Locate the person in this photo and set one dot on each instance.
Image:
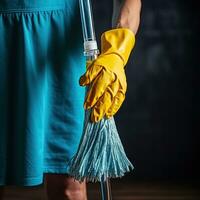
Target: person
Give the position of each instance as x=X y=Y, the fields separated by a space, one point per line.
x=41 y=104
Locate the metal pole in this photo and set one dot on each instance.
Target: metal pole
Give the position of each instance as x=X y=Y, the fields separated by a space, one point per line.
x=106 y=190
x=91 y=52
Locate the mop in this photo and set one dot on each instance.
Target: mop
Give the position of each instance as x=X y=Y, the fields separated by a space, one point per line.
x=100 y=154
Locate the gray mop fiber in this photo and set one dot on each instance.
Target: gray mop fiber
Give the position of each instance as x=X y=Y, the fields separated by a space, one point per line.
x=100 y=154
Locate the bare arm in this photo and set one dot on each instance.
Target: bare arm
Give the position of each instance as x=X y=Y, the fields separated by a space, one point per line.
x=129 y=16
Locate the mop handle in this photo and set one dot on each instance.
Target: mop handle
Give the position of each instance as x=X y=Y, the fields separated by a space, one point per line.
x=106 y=190
x=91 y=52
x=90 y=43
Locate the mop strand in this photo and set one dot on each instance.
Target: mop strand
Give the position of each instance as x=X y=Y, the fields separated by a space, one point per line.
x=100 y=154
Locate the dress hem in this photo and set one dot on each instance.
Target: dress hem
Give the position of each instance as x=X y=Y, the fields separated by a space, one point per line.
x=35 y=180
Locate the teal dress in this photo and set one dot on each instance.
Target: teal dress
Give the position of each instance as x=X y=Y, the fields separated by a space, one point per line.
x=41 y=101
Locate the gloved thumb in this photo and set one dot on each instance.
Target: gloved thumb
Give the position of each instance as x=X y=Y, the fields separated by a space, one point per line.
x=90 y=74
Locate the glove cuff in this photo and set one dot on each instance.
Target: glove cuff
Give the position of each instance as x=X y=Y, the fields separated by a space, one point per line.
x=119 y=41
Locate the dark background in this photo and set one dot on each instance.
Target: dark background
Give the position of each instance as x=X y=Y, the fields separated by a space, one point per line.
x=159 y=121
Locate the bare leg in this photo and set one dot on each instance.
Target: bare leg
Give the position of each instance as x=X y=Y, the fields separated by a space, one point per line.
x=63 y=187
x=1 y=192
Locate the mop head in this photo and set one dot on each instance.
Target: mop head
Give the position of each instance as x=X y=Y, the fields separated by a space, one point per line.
x=100 y=154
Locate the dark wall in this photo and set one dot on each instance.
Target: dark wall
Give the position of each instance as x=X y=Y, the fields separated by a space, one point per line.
x=159 y=120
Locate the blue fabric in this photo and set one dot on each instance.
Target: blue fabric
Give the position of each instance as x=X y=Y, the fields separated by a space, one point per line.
x=41 y=102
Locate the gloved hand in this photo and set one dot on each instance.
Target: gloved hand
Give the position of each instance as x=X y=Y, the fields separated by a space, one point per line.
x=106 y=74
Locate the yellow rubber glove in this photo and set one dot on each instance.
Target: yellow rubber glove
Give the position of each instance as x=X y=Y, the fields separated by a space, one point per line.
x=106 y=74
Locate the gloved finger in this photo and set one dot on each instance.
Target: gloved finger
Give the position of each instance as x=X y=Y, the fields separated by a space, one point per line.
x=90 y=74
x=104 y=102
x=98 y=87
x=116 y=104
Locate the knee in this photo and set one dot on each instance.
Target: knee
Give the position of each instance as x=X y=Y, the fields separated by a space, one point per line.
x=64 y=187
x=75 y=194
x=74 y=190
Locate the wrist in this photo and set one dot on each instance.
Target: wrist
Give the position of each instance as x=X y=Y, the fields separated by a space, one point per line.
x=129 y=16
x=125 y=24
